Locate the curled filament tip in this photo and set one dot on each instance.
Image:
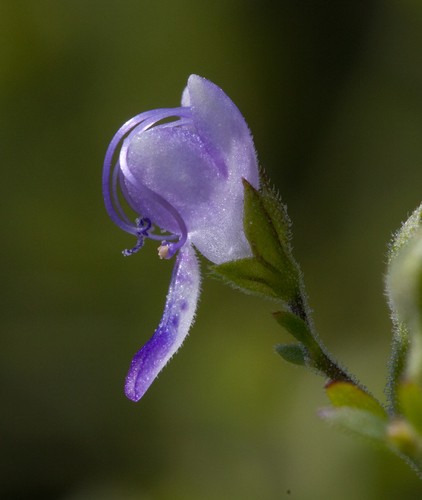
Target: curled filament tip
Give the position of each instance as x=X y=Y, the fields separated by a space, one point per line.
x=143 y=226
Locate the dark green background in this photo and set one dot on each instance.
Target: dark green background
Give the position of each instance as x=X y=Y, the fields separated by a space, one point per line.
x=332 y=91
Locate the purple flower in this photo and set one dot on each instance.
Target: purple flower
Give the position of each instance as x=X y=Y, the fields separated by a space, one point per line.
x=181 y=169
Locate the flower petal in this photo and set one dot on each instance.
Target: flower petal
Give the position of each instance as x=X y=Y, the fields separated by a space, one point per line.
x=178 y=316
x=173 y=163
x=226 y=137
x=220 y=124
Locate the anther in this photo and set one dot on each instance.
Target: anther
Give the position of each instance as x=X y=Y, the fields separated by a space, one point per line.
x=163 y=250
x=166 y=250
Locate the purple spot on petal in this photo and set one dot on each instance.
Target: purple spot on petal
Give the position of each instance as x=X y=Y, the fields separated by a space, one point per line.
x=174 y=321
x=183 y=305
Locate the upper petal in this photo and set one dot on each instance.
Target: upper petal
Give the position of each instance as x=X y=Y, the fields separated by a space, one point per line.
x=221 y=126
x=178 y=316
x=226 y=137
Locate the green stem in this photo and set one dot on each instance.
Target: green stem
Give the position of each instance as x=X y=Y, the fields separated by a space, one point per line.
x=320 y=358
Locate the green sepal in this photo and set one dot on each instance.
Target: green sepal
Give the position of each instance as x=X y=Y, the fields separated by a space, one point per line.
x=272 y=271
x=277 y=211
x=361 y=422
x=267 y=230
x=293 y=353
x=346 y=394
x=410 y=403
x=265 y=207
x=254 y=276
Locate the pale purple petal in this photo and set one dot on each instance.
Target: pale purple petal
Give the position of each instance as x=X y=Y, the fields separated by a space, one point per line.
x=222 y=128
x=226 y=136
x=174 y=163
x=178 y=317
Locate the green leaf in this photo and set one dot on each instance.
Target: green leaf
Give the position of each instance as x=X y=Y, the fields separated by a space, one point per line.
x=296 y=327
x=346 y=394
x=361 y=422
x=272 y=271
x=293 y=353
x=257 y=277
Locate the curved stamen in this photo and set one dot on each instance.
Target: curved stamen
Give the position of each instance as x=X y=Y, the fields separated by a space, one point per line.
x=124 y=167
x=173 y=247
x=114 y=193
x=110 y=195
x=148 y=119
x=126 y=195
x=138 y=129
x=143 y=225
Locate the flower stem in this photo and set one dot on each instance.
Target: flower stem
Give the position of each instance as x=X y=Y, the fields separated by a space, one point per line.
x=320 y=358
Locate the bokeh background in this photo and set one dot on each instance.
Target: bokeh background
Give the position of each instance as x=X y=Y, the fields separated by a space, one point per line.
x=332 y=91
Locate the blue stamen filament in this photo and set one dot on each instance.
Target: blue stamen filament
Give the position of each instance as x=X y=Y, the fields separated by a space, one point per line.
x=165 y=251
x=137 y=125
x=143 y=226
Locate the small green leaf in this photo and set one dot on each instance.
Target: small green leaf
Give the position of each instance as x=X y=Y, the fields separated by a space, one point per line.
x=346 y=394
x=361 y=422
x=296 y=327
x=293 y=353
x=318 y=357
x=257 y=277
x=410 y=403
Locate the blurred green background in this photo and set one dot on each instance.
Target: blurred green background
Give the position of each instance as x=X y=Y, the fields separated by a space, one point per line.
x=332 y=91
